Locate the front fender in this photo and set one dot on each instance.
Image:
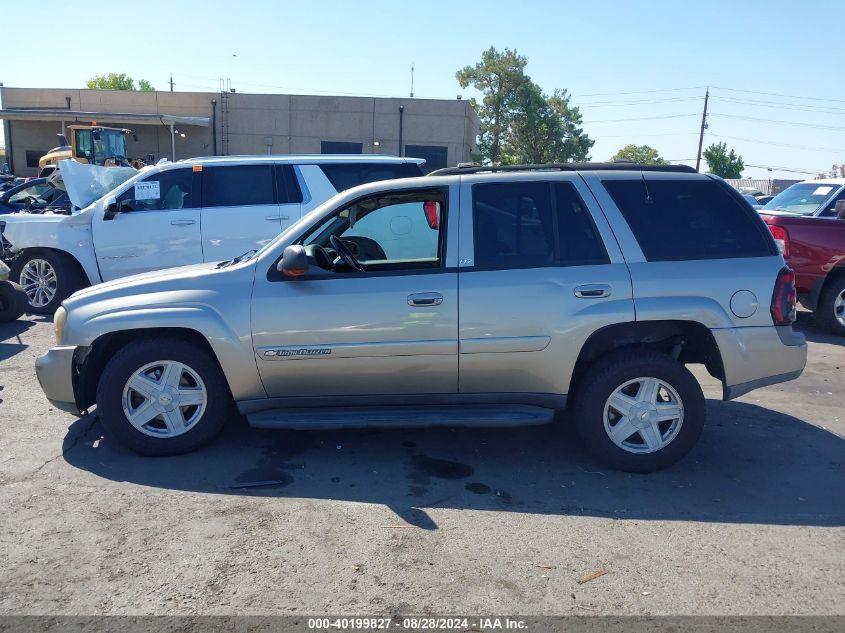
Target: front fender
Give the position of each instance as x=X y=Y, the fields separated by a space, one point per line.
x=233 y=350
x=68 y=234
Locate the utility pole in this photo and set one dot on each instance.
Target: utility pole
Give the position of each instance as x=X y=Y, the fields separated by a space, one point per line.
x=703 y=125
x=412 y=80
x=171 y=82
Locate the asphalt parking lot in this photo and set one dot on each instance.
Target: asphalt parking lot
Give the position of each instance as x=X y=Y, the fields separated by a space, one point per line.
x=498 y=521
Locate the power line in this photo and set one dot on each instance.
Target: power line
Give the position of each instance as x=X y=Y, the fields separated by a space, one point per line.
x=636 y=134
x=644 y=118
x=789 y=169
x=784 y=106
x=777 y=94
x=596 y=104
x=639 y=92
x=761 y=120
x=786 y=145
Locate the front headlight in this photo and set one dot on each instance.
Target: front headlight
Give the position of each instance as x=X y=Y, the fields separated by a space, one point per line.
x=59 y=323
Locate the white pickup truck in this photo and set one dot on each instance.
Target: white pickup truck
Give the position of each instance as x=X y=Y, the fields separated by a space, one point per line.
x=173 y=214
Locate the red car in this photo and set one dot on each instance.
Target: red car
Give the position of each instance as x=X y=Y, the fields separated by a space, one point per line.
x=814 y=247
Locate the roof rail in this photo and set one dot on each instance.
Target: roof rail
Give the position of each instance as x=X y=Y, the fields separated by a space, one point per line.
x=474 y=168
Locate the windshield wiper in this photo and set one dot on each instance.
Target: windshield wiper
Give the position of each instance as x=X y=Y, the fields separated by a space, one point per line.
x=240 y=258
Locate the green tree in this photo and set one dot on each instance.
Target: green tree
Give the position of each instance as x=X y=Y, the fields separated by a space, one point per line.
x=544 y=129
x=639 y=154
x=117 y=81
x=723 y=163
x=499 y=76
x=519 y=122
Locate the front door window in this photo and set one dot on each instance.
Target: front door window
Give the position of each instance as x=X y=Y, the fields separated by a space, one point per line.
x=399 y=231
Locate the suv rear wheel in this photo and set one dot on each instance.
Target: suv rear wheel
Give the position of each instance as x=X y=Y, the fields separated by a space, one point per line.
x=163 y=397
x=639 y=410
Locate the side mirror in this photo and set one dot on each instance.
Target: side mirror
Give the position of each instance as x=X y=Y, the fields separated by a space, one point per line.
x=111 y=208
x=294 y=262
x=839 y=209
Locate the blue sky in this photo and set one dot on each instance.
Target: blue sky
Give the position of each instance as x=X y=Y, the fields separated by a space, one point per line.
x=646 y=63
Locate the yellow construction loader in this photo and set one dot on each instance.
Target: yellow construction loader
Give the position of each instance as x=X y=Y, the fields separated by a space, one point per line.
x=92 y=144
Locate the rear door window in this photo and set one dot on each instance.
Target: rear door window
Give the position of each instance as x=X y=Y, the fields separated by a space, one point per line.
x=287 y=185
x=344 y=176
x=237 y=185
x=533 y=224
x=679 y=220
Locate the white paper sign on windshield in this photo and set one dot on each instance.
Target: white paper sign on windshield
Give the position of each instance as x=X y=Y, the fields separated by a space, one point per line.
x=147 y=190
x=822 y=191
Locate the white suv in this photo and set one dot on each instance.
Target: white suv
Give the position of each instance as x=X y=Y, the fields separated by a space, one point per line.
x=173 y=214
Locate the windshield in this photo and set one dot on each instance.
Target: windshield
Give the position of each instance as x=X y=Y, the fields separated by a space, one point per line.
x=805 y=198
x=112 y=144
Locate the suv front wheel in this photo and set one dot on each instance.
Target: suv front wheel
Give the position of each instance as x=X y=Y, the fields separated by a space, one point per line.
x=639 y=410
x=163 y=397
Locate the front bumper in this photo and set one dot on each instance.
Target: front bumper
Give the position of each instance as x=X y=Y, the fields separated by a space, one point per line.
x=55 y=375
x=754 y=357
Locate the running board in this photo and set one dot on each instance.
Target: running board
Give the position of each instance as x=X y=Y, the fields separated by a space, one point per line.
x=401 y=417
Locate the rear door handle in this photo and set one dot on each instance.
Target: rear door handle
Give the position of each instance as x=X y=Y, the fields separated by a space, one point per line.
x=272 y=218
x=182 y=222
x=424 y=299
x=592 y=291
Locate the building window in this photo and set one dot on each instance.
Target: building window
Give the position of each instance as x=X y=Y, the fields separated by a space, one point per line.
x=341 y=147
x=435 y=155
x=33 y=156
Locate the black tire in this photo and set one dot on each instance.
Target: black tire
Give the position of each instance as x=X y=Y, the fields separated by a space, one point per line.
x=69 y=278
x=826 y=312
x=136 y=355
x=611 y=372
x=13 y=303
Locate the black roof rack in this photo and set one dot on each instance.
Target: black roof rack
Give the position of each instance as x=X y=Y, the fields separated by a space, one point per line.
x=473 y=168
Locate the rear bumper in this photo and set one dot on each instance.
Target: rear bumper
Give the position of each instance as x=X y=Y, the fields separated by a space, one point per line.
x=754 y=357
x=55 y=375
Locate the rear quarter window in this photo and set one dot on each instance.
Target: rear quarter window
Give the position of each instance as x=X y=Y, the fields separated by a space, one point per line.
x=344 y=176
x=678 y=220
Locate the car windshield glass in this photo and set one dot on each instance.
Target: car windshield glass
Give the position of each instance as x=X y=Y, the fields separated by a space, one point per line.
x=111 y=144
x=804 y=198
x=39 y=193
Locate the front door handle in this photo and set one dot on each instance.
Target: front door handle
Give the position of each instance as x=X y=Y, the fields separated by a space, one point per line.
x=182 y=222
x=592 y=291
x=425 y=299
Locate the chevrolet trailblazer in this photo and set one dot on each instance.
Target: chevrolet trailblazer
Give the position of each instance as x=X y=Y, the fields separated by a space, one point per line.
x=474 y=296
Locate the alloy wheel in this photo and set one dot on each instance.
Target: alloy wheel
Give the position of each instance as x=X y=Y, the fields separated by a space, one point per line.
x=643 y=415
x=164 y=399
x=39 y=281
x=839 y=308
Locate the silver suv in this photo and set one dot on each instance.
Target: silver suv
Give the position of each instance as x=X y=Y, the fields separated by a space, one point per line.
x=474 y=296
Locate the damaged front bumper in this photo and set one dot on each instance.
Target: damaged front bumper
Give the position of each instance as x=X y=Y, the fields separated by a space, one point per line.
x=55 y=370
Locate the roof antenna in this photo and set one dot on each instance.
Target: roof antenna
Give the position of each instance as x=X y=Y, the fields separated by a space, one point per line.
x=648 y=198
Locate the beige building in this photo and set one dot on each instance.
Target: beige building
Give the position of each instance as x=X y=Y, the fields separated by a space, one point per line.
x=201 y=123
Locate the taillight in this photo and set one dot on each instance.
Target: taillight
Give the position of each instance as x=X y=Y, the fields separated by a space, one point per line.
x=432 y=213
x=784 y=298
x=781 y=236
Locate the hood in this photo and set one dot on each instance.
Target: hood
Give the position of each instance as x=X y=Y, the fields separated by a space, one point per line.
x=166 y=279
x=86 y=183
